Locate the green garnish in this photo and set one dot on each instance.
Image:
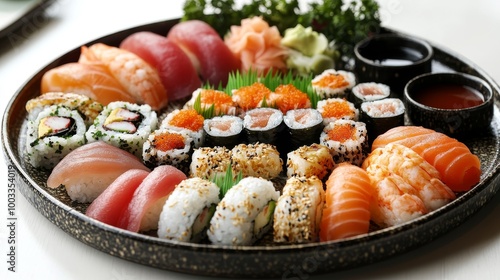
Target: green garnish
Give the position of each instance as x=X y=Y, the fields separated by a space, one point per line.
x=227 y=181
x=207 y=113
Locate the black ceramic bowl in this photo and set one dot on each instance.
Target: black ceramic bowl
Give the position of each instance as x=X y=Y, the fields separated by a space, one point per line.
x=392 y=59
x=453 y=103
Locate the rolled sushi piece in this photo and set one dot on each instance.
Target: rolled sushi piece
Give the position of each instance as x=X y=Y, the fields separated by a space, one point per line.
x=364 y=92
x=188 y=121
x=297 y=215
x=304 y=127
x=333 y=84
x=310 y=160
x=223 y=131
x=257 y=160
x=188 y=221
x=168 y=147
x=87 y=107
x=54 y=133
x=245 y=213
x=204 y=99
x=208 y=162
x=124 y=125
x=347 y=141
x=382 y=115
x=333 y=109
x=264 y=125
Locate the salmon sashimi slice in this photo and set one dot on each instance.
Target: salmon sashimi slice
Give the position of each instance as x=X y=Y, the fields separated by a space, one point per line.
x=347 y=207
x=114 y=200
x=177 y=73
x=460 y=169
x=206 y=49
x=143 y=212
x=92 y=81
x=88 y=170
x=132 y=72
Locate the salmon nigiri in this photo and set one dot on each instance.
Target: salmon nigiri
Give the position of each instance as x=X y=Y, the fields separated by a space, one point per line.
x=347 y=207
x=92 y=81
x=109 y=206
x=143 y=212
x=132 y=72
x=460 y=170
x=88 y=170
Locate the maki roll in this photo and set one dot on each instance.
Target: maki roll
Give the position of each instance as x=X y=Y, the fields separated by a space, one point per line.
x=333 y=84
x=208 y=162
x=297 y=215
x=245 y=213
x=333 y=109
x=258 y=160
x=308 y=161
x=188 y=221
x=368 y=92
x=382 y=115
x=223 y=131
x=54 y=133
x=124 y=125
x=217 y=102
x=304 y=127
x=263 y=125
x=347 y=141
x=171 y=147
x=188 y=121
x=88 y=108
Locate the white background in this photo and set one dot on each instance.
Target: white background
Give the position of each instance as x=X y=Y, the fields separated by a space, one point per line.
x=469 y=28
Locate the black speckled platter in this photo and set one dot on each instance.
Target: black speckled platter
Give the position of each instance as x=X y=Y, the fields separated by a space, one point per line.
x=258 y=261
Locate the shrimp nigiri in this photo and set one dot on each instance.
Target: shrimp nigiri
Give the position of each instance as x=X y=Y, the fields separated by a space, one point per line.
x=134 y=74
x=459 y=168
x=347 y=208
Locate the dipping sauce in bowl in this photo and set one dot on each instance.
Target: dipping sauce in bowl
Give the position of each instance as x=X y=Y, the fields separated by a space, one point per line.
x=453 y=103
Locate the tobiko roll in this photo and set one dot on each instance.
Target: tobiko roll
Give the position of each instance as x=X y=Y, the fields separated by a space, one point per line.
x=333 y=109
x=304 y=126
x=187 y=121
x=333 y=84
x=171 y=147
x=54 y=133
x=245 y=213
x=124 y=125
x=347 y=141
x=188 y=221
x=263 y=125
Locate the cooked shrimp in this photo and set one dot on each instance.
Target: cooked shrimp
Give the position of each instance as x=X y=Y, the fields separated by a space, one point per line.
x=404 y=162
x=136 y=76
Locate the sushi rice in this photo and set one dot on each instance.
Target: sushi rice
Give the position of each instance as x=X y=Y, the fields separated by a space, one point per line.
x=171 y=147
x=258 y=160
x=347 y=141
x=45 y=151
x=128 y=141
x=333 y=84
x=310 y=160
x=235 y=218
x=208 y=162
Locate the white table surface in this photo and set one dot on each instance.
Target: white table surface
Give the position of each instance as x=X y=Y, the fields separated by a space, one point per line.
x=469 y=28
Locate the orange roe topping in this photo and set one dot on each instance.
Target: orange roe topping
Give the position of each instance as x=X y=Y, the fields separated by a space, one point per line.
x=291 y=98
x=189 y=119
x=210 y=96
x=250 y=97
x=342 y=132
x=337 y=109
x=168 y=141
x=332 y=81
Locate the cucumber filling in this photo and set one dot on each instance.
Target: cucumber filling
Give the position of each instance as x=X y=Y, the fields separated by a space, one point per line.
x=202 y=222
x=264 y=219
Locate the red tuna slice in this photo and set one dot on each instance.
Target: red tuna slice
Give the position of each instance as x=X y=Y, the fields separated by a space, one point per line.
x=208 y=52
x=177 y=73
x=110 y=205
x=144 y=210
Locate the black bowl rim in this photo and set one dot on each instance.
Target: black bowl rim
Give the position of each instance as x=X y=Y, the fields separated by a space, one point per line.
x=487 y=103
x=400 y=36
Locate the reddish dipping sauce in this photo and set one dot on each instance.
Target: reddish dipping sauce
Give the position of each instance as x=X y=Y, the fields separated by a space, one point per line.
x=448 y=96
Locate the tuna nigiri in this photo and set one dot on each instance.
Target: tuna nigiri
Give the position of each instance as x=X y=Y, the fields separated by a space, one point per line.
x=88 y=170
x=91 y=80
x=177 y=73
x=114 y=200
x=208 y=52
x=347 y=207
x=132 y=72
x=459 y=168
x=143 y=212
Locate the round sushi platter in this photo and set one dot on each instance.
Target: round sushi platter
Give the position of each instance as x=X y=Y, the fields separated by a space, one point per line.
x=245 y=261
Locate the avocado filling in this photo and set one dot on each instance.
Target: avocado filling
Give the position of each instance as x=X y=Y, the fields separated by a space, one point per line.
x=264 y=219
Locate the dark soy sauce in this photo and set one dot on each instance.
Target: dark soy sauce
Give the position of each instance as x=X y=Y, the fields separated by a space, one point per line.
x=449 y=96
